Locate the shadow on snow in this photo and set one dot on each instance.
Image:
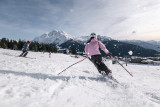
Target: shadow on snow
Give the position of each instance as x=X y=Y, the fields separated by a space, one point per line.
x=52 y=77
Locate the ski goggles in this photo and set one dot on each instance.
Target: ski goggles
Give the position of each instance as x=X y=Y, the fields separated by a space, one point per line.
x=93 y=35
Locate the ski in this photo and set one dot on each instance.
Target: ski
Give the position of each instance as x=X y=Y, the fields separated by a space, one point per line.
x=26 y=57
x=112 y=82
x=113 y=79
x=29 y=57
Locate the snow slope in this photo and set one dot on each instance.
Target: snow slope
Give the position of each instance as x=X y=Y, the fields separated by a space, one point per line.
x=28 y=82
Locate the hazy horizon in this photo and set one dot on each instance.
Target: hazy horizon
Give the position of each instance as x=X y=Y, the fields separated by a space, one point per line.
x=73 y=37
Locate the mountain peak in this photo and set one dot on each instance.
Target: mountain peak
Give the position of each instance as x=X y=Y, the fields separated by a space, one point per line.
x=55 y=36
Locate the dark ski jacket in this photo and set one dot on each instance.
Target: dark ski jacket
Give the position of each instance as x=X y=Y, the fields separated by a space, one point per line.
x=25 y=47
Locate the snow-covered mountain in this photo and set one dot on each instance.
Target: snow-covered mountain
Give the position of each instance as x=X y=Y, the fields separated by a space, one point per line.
x=57 y=37
x=86 y=38
x=60 y=37
x=154 y=45
x=154 y=42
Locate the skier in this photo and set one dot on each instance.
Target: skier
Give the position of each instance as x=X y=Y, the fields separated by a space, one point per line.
x=25 y=49
x=49 y=54
x=93 y=53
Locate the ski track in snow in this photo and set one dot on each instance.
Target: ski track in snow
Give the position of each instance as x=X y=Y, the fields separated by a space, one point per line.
x=28 y=82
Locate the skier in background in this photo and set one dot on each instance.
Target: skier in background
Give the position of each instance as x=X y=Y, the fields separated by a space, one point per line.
x=25 y=49
x=49 y=54
x=93 y=53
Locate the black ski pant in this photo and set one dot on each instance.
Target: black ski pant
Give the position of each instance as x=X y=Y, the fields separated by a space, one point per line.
x=23 y=54
x=97 y=61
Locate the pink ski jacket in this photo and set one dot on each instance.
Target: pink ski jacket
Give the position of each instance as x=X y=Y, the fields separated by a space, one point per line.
x=92 y=48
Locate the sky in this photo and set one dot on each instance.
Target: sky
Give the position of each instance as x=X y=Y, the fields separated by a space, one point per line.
x=118 y=19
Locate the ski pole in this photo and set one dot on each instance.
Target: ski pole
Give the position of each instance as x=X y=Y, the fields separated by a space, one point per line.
x=120 y=64
x=72 y=65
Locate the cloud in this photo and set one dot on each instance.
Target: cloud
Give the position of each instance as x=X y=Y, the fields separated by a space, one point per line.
x=114 y=18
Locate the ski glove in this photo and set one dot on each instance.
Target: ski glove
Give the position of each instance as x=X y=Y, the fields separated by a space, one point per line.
x=110 y=54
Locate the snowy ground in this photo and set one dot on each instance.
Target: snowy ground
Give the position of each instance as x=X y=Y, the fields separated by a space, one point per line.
x=28 y=82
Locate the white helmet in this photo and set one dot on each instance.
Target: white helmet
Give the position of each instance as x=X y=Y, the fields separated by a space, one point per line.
x=93 y=35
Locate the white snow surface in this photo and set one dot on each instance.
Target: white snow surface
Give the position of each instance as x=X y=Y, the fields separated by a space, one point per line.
x=26 y=82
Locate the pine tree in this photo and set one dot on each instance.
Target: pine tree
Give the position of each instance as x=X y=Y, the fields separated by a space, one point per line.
x=10 y=44
x=73 y=51
x=44 y=48
x=35 y=48
x=0 y=44
x=4 y=43
x=54 y=49
x=20 y=44
x=15 y=47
